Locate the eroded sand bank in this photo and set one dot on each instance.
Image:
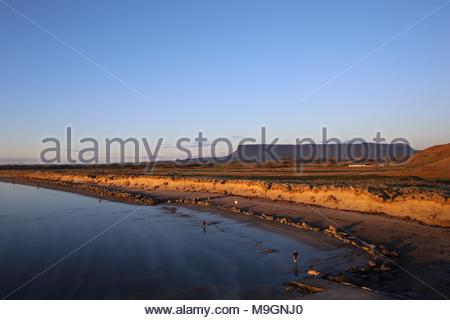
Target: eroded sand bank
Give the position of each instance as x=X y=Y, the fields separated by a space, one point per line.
x=426 y=206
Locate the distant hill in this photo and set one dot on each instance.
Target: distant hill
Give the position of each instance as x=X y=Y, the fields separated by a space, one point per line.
x=327 y=153
x=431 y=163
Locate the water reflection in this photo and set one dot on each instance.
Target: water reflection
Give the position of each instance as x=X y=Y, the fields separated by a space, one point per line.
x=155 y=253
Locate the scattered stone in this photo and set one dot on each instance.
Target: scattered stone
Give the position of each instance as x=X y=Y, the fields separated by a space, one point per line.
x=368 y=289
x=303 y=287
x=339 y=278
x=359 y=270
x=384 y=267
x=313 y=273
x=283 y=221
x=372 y=263
x=269 y=250
x=266 y=217
x=394 y=254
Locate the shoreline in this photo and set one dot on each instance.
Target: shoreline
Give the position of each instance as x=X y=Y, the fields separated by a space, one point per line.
x=331 y=283
x=382 y=258
x=430 y=206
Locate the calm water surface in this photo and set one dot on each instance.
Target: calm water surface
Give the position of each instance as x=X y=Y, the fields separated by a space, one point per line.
x=58 y=245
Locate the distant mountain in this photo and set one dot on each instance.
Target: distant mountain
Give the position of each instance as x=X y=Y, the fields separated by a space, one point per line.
x=344 y=152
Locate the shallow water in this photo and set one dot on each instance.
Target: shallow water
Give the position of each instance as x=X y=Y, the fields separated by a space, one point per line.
x=58 y=245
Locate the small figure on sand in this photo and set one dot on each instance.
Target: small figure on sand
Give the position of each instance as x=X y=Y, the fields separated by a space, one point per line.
x=205 y=224
x=295 y=257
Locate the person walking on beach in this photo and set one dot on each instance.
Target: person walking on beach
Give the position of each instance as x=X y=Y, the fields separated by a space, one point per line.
x=295 y=257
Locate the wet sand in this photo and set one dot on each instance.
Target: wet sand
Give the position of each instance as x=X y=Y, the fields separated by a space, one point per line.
x=160 y=252
x=421 y=271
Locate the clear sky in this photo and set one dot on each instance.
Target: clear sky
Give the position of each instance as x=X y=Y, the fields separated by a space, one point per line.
x=225 y=68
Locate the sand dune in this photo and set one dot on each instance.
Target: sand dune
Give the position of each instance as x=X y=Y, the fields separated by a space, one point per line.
x=431 y=163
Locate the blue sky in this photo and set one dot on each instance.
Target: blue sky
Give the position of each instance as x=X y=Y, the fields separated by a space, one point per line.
x=225 y=68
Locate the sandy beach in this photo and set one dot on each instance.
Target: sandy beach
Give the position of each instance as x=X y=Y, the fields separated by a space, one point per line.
x=387 y=257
